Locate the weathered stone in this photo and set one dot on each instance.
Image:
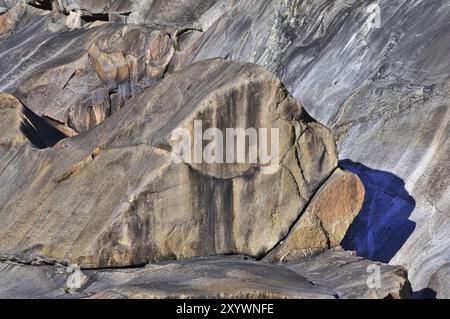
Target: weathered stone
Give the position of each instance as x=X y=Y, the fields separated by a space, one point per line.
x=95 y=6
x=60 y=74
x=384 y=93
x=440 y=283
x=214 y=277
x=114 y=196
x=175 y=13
x=32 y=282
x=354 y=277
x=326 y=220
x=207 y=278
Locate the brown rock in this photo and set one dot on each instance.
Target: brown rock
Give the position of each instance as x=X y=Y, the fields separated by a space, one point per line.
x=326 y=219
x=114 y=197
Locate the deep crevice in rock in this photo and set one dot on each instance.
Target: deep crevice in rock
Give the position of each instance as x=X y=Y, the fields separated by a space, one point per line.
x=41 y=4
x=95 y=17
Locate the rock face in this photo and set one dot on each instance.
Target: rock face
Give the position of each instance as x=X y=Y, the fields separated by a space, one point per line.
x=115 y=197
x=326 y=220
x=94 y=91
x=353 y=277
x=79 y=77
x=439 y=283
x=215 y=277
x=384 y=93
x=207 y=278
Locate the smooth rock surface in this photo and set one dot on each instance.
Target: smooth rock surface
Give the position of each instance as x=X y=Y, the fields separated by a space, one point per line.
x=353 y=277
x=207 y=278
x=384 y=92
x=326 y=219
x=215 y=277
x=440 y=283
x=31 y=282
x=114 y=196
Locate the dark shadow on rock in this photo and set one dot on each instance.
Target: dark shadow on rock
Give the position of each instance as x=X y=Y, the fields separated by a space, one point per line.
x=383 y=225
x=38 y=131
x=426 y=293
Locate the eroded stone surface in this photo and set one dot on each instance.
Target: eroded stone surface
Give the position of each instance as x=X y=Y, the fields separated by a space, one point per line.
x=440 y=283
x=383 y=92
x=354 y=277
x=114 y=196
x=215 y=277
x=325 y=221
x=78 y=77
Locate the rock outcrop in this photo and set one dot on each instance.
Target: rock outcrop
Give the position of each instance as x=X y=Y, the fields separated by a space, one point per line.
x=94 y=92
x=215 y=277
x=382 y=89
x=325 y=221
x=114 y=196
x=352 y=277
x=79 y=77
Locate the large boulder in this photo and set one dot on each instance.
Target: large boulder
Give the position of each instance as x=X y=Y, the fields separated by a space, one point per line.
x=383 y=92
x=114 y=196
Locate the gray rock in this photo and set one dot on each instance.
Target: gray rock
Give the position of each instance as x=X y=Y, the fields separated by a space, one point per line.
x=174 y=13
x=69 y=76
x=206 y=278
x=30 y=282
x=353 y=277
x=114 y=196
x=214 y=277
x=95 y=6
x=383 y=92
x=440 y=283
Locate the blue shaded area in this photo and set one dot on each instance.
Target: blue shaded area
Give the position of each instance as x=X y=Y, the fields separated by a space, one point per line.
x=383 y=226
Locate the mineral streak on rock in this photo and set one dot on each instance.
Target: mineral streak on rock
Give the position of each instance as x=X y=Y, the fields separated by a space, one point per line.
x=383 y=92
x=113 y=196
x=93 y=91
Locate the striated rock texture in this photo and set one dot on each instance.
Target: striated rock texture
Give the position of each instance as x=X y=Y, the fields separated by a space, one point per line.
x=383 y=92
x=439 y=285
x=78 y=77
x=123 y=74
x=215 y=277
x=114 y=196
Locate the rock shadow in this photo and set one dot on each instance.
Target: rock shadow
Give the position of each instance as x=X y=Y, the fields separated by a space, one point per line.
x=38 y=131
x=383 y=225
x=426 y=293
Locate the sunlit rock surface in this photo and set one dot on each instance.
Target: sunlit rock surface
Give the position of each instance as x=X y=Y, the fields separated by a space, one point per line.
x=384 y=92
x=115 y=197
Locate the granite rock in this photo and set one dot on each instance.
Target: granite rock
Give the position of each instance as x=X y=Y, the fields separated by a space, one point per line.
x=114 y=196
